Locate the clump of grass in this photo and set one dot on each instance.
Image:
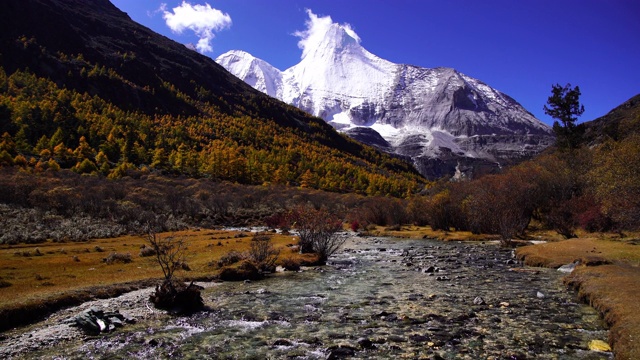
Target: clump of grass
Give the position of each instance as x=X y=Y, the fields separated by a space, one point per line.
x=230 y=258
x=146 y=251
x=396 y=227
x=117 y=258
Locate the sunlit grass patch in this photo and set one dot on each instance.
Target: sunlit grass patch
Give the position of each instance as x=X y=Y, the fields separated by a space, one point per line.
x=556 y=254
x=64 y=267
x=426 y=232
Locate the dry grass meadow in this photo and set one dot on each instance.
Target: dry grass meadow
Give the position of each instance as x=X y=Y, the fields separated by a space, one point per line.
x=33 y=275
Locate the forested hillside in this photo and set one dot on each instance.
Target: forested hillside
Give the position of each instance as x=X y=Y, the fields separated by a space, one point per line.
x=85 y=88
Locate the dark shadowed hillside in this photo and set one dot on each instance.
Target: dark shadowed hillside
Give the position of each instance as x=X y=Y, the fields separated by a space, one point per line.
x=618 y=124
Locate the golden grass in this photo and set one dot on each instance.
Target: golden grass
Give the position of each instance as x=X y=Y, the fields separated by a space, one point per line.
x=556 y=254
x=424 y=232
x=613 y=288
x=65 y=267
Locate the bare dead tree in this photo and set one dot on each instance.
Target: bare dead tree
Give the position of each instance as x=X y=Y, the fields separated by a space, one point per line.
x=170 y=253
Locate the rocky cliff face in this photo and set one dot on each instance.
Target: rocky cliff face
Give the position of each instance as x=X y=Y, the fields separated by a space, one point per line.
x=431 y=115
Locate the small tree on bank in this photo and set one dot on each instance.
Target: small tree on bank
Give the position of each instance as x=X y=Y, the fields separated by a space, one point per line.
x=170 y=253
x=318 y=231
x=173 y=295
x=262 y=252
x=564 y=105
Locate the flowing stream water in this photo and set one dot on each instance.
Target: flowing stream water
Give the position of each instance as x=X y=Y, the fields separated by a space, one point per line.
x=379 y=298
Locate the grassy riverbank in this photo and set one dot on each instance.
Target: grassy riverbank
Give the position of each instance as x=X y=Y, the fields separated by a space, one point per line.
x=608 y=279
x=40 y=278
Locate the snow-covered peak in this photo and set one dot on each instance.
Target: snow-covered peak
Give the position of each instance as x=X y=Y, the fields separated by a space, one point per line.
x=418 y=111
x=336 y=41
x=323 y=37
x=256 y=72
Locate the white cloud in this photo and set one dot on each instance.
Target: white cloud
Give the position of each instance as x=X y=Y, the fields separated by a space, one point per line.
x=317 y=27
x=203 y=20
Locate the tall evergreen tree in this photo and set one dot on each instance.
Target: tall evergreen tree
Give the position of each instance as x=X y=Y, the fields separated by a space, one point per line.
x=564 y=105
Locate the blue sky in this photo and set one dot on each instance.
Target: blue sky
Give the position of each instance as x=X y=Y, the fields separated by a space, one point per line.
x=520 y=47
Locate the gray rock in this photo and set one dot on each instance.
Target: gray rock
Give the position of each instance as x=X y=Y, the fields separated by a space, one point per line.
x=568 y=268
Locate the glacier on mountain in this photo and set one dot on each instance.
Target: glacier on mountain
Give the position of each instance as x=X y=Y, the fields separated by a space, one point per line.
x=442 y=119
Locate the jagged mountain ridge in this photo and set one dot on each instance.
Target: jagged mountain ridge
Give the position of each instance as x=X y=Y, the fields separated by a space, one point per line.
x=423 y=113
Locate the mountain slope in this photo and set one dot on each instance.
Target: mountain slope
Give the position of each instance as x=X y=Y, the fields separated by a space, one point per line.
x=81 y=81
x=423 y=113
x=617 y=124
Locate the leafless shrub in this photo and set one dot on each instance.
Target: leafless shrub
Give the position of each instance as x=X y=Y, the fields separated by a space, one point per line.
x=170 y=252
x=318 y=230
x=262 y=253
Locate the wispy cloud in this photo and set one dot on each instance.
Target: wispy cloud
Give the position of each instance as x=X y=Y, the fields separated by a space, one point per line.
x=317 y=28
x=203 y=20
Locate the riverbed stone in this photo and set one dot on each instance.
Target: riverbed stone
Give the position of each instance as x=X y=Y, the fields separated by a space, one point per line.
x=341 y=351
x=366 y=343
x=282 y=342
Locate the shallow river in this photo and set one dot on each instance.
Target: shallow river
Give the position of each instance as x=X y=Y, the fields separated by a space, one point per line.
x=379 y=298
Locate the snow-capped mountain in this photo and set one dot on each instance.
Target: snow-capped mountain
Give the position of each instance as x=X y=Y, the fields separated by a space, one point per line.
x=441 y=118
